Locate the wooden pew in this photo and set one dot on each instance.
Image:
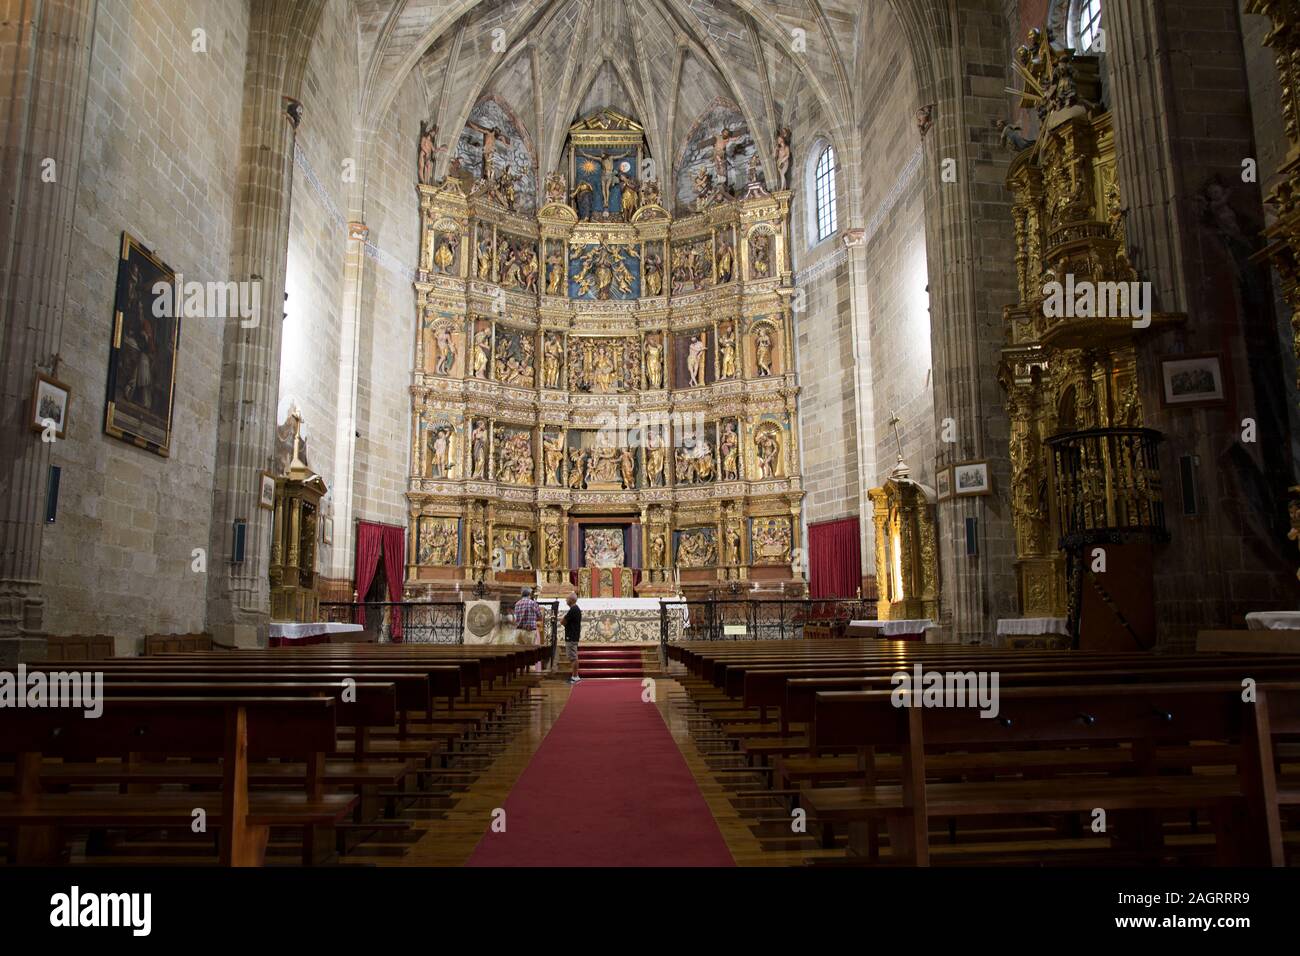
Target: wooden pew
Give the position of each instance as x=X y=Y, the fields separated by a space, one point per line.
x=233 y=728
x=1145 y=716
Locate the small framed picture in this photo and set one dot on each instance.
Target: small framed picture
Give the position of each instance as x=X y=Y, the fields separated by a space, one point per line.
x=943 y=484
x=49 y=405
x=327 y=531
x=266 y=497
x=970 y=478
x=1192 y=379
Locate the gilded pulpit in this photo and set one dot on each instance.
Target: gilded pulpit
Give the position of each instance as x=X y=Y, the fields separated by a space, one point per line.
x=907 y=566
x=294 y=535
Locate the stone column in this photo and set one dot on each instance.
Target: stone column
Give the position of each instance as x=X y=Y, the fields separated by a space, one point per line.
x=280 y=34
x=45 y=60
x=959 y=51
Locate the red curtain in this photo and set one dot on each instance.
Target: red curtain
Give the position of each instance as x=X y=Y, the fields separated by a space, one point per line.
x=834 y=559
x=395 y=570
x=373 y=542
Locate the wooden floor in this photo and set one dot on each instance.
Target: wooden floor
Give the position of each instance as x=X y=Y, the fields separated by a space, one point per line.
x=446 y=830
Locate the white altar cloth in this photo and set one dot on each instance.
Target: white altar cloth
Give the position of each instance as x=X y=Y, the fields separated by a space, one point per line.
x=1273 y=621
x=634 y=604
x=893 y=628
x=629 y=619
x=1032 y=626
x=295 y=630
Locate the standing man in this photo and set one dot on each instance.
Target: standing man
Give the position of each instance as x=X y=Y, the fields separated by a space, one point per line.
x=528 y=619
x=572 y=632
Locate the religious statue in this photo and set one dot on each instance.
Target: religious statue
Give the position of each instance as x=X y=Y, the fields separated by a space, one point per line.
x=445 y=257
x=697 y=548
x=650 y=192
x=604 y=465
x=555 y=273
x=654 y=461
x=627 y=466
x=445 y=346
x=772 y=540
x=478 y=547
x=783 y=157
x=658 y=546
x=602 y=268
x=768 y=449
x=696 y=357
x=684 y=473
x=478 y=450
x=490 y=138
x=482 y=352
x=729 y=445
x=733 y=544
x=631 y=197
x=760 y=263
x=577 y=468
x=556 y=188
x=442 y=454
x=608 y=176
x=437 y=541
x=763 y=351
x=1010 y=138
x=653 y=269
x=503 y=189
x=516 y=463
x=727 y=351
x=484 y=258
x=704 y=463
x=553 y=458
x=924 y=117
x=514 y=357
x=528 y=268
x=703 y=187
x=654 y=361
x=553 y=541
x=721 y=140
x=726 y=259
x=582 y=195
x=428 y=150
x=552 y=357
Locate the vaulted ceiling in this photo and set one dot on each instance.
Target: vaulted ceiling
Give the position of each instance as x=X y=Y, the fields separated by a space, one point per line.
x=662 y=61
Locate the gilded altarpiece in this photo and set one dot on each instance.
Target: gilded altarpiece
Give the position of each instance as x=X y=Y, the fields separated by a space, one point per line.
x=1069 y=369
x=601 y=362
x=1283 y=234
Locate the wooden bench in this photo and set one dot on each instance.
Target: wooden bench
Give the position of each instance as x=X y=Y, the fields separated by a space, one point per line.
x=1143 y=716
x=229 y=728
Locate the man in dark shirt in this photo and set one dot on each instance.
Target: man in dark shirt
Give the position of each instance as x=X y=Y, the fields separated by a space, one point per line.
x=572 y=632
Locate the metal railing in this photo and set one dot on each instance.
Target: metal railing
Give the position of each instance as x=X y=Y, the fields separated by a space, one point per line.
x=739 y=619
x=411 y=622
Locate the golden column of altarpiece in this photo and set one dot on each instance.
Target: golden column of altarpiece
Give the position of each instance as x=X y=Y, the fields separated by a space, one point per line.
x=601 y=364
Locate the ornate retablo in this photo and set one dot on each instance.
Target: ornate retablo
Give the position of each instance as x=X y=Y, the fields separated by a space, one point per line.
x=586 y=351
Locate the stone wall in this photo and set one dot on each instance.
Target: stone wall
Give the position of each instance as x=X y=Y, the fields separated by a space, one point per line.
x=387 y=339
x=318 y=237
x=157 y=161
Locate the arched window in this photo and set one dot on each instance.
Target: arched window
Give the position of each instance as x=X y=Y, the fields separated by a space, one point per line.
x=824 y=193
x=1085 y=24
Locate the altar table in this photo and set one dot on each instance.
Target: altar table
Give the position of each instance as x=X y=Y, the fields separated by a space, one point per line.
x=628 y=620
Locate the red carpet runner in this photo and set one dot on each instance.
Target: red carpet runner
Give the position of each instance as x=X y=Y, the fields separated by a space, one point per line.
x=608 y=787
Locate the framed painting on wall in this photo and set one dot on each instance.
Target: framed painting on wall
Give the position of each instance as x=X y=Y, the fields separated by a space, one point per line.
x=142 y=354
x=943 y=484
x=970 y=478
x=266 y=491
x=49 y=405
x=1191 y=380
